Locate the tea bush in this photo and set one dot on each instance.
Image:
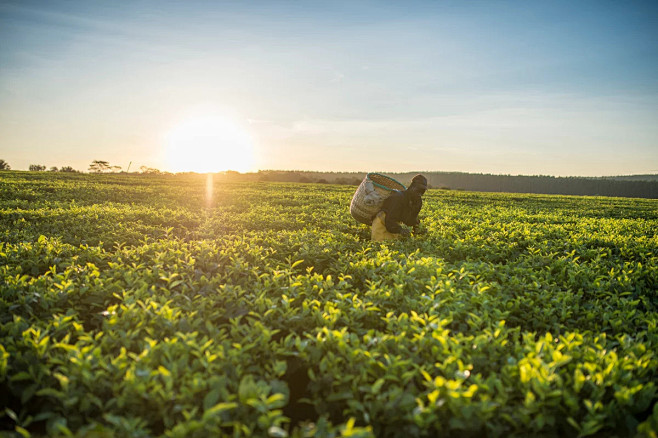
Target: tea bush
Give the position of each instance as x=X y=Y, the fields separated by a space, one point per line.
x=136 y=305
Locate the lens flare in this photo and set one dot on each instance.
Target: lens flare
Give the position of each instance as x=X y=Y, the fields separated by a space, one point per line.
x=209 y=189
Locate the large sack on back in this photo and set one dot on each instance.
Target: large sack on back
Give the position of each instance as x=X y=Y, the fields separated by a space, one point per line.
x=370 y=196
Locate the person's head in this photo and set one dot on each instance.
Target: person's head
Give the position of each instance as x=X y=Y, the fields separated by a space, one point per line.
x=418 y=184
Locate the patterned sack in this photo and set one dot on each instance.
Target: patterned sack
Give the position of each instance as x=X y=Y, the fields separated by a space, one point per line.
x=370 y=196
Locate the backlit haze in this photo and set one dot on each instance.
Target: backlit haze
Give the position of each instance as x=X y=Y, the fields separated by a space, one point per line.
x=520 y=87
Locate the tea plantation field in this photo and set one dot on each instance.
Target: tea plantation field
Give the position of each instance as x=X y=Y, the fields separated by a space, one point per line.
x=138 y=306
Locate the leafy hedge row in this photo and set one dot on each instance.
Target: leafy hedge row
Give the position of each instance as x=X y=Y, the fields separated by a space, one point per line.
x=266 y=311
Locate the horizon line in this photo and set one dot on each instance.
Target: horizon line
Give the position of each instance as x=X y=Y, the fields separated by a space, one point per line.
x=341 y=171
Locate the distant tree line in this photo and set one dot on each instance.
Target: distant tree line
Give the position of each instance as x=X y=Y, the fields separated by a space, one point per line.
x=635 y=186
x=42 y=168
x=100 y=166
x=96 y=166
x=39 y=167
x=308 y=177
x=545 y=184
x=631 y=186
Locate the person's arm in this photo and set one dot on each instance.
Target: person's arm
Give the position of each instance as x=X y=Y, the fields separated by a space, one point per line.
x=411 y=210
x=393 y=207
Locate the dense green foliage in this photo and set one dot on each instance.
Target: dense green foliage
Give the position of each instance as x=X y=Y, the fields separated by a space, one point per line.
x=138 y=306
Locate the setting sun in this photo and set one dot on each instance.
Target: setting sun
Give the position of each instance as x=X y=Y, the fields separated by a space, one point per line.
x=209 y=144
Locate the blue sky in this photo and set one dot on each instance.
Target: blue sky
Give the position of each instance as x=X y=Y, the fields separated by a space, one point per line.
x=523 y=87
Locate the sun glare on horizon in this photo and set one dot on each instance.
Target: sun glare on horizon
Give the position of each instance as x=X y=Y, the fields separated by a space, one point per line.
x=211 y=143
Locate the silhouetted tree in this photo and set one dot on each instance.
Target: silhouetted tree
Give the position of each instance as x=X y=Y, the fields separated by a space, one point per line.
x=146 y=169
x=98 y=166
x=67 y=169
x=53 y=169
x=37 y=167
x=4 y=165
